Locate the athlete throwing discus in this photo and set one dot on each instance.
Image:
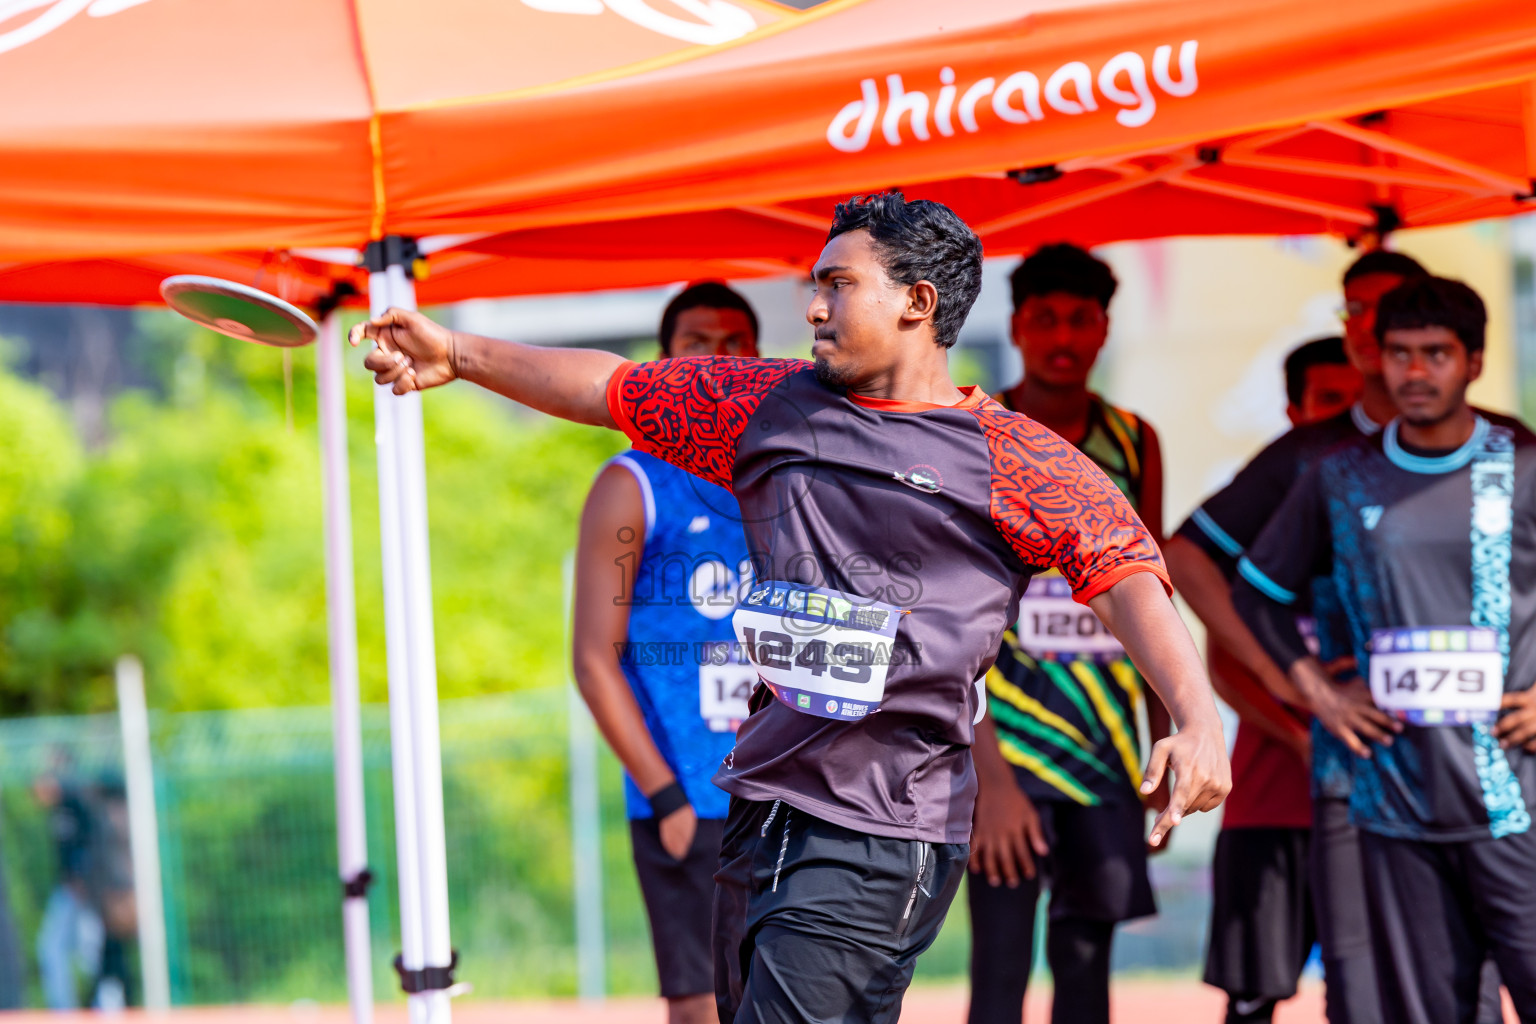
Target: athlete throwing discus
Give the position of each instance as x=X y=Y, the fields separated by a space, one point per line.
x=893 y=521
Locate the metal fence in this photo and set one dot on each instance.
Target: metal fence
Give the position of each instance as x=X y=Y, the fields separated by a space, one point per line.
x=248 y=847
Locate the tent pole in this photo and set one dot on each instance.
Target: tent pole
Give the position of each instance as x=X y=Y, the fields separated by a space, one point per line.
x=346 y=723
x=426 y=959
x=143 y=834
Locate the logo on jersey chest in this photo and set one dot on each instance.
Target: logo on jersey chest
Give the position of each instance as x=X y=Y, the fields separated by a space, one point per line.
x=712 y=589
x=921 y=478
x=1370 y=515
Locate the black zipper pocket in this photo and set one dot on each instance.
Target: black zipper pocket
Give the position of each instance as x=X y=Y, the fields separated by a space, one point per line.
x=783 y=848
x=923 y=850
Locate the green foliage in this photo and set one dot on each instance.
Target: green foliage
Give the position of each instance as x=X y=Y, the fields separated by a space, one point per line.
x=42 y=462
x=194 y=537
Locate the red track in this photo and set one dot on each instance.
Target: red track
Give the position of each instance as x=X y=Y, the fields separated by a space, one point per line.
x=1135 y=1002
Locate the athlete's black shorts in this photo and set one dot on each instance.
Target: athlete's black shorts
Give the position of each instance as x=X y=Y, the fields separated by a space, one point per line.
x=816 y=922
x=1096 y=869
x=1097 y=874
x=679 y=895
x=1261 y=913
x=1438 y=910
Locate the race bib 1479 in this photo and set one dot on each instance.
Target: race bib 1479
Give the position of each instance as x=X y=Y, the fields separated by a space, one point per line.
x=1444 y=675
x=821 y=651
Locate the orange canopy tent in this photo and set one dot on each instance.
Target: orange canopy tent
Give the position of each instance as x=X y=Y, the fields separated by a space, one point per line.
x=568 y=144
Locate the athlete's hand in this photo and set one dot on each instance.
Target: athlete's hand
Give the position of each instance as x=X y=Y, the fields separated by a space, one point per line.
x=413 y=353
x=1342 y=670
x=1006 y=835
x=1348 y=712
x=1197 y=756
x=677 y=831
x=1157 y=802
x=1517 y=725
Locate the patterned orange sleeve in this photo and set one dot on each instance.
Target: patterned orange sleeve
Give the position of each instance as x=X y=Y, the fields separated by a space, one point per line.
x=1057 y=509
x=692 y=410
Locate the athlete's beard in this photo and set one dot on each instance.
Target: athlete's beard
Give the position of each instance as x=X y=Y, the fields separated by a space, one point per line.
x=828 y=374
x=832 y=376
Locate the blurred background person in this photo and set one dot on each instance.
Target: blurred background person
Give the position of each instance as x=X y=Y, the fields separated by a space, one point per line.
x=1057 y=757
x=1203 y=557
x=109 y=883
x=658 y=566
x=1441 y=800
x=69 y=941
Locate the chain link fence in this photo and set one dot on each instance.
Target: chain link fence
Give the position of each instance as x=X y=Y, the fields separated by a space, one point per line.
x=246 y=823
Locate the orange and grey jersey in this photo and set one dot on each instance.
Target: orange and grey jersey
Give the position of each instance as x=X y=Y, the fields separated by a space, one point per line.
x=890 y=545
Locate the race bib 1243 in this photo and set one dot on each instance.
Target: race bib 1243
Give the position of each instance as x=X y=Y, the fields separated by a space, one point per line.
x=821 y=651
x=1438 y=675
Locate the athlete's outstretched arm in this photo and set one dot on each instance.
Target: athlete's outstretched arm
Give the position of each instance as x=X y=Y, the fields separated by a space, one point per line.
x=613 y=535
x=1137 y=610
x=414 y=354
x=1150 y=506
x=1200 y=582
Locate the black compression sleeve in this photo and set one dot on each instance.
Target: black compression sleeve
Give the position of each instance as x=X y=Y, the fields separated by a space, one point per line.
x=1273 y=624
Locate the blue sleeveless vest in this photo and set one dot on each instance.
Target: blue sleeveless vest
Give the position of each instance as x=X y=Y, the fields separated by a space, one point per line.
x=680 y=658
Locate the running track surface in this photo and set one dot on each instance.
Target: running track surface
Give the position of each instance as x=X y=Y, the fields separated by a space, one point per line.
x=1135 y=1002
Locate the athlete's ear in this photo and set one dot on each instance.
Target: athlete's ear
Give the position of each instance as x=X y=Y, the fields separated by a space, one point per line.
x=922 y=302
x=1474 y=365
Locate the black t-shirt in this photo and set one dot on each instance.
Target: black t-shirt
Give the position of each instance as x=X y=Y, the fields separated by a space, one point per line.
x=1424 y=543
x=890 y=544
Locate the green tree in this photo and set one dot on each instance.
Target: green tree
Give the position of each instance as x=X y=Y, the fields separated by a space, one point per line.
x=193 y=537
x=43 y=644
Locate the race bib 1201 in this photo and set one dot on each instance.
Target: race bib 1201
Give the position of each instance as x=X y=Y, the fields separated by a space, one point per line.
x=1052 y=624
x=1445 y=675
x=821 y=651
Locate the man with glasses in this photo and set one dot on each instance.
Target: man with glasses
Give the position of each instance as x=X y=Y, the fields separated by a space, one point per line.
x=1202 y=557
x=1425 y=532
x=1058 y=756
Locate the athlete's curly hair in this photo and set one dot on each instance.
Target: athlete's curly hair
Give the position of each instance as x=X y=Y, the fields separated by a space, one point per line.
x=920 y=241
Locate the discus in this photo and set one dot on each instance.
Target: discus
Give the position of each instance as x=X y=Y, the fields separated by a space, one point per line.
x=238 y=310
